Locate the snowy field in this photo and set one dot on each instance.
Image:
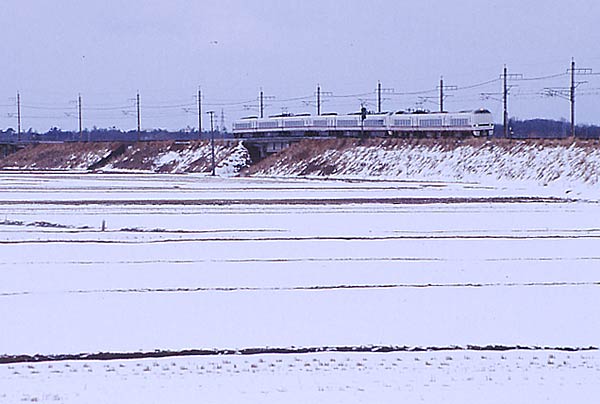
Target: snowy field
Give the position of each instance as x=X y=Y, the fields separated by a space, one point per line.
x=197 y=263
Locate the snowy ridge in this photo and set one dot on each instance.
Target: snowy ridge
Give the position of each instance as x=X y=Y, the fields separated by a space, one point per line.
x=161 y=157
x=572 y=167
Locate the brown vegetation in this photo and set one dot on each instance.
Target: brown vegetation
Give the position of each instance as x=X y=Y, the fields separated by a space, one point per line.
x=54 y=155
x=190 y=156
x=309 y=150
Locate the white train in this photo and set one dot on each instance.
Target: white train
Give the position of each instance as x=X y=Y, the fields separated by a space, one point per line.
x=464 y=123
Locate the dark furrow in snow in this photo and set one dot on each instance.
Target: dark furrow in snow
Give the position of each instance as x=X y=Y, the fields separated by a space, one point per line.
x=296 y=260
x=306 y=238
x=109 y=356
x=316 y=288
x=294 y=201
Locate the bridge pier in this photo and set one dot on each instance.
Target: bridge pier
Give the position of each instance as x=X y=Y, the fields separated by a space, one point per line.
x=262 y=148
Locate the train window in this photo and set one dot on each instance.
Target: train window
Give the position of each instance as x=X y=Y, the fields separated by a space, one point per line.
x=374 y=122
x=402 y=122
x=428 y=123
x=459 y=122
x=268 y=124
x=296 y=123
x=347 y=122
x=242 y=125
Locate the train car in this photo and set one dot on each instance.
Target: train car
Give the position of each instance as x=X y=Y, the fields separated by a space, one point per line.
x=419 y=124
x=246 y=125
x=376 y=124
x=482 y=122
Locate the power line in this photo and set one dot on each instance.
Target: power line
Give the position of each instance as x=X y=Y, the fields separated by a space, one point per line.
x=173 y=106
x=226 y=104
x=350 y=95
x=178 y=107
x=553 y=76
x=115 y=108
x=280 y=100
x=481 y=84
x=25 y=106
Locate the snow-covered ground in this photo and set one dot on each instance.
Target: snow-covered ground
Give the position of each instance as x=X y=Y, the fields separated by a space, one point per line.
x=431 y=377
x=194 y=262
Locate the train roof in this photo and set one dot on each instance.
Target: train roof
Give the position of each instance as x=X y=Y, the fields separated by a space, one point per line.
x=373 y=114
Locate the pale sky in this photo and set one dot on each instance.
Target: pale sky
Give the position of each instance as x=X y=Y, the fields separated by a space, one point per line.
x=107 y=50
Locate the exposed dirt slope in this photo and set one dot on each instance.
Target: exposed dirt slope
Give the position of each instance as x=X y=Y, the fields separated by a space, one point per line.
x=68 y=156
x=163 y=157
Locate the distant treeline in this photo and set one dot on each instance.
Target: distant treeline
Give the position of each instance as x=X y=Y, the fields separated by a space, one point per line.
x=546 y=129
x=102 y=135
x=527 y=129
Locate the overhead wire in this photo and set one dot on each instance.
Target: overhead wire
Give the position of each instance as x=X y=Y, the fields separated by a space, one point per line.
x=552 y=76
x=477 y=85
x=186 y=108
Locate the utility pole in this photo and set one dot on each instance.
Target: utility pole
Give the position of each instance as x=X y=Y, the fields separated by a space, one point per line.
x=505 y=76
x=199 y=113
x=212 y=140
x=574 y=84
x=572 y=98
x=442 y=88
x=568 y=93
x=505 y=101
x=318 y=99
x=441 y=98
x=441 y=93
x=139 y=118
x=262 y=103
x=380 y=91
x=18 y=117
x=320 y=94
x=222 y=120
x=379 y=97
x=80 y=118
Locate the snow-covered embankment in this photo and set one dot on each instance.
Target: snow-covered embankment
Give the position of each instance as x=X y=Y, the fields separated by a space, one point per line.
x=557 y=167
